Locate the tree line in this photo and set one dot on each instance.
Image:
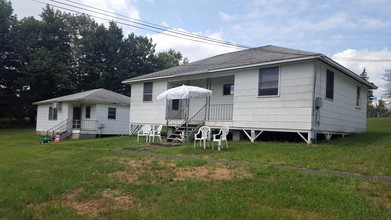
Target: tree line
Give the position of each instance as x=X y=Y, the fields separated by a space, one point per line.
x=377 y=107
x=64 y=53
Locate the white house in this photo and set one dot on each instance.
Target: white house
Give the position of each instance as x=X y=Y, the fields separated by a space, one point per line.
x=84 y=115
x=267 y=88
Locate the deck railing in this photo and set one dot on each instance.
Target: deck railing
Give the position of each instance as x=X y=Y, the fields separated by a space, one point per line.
x=85 y=125
x=220 y=112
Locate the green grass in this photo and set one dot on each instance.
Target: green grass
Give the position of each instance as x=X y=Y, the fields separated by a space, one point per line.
x=87 y=179
x=366 y=154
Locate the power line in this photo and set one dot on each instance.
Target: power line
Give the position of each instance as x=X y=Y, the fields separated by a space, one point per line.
x=172 y=33
x=352 y=59
x=160 y=27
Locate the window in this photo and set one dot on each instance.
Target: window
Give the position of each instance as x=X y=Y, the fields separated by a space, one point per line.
x=330 y=84
x=88 y=112
x=228 y=89
x=175 y=104
x=268 y=81
x=147 y=95
x=52 y=113
x=358 y=96
x=112 y=112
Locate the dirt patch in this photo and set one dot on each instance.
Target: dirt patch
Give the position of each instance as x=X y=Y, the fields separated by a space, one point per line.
x=378 y=195
x=111 y=199
x=210 y=173
x=156 y=170
x=124 y=175
x=194 y=172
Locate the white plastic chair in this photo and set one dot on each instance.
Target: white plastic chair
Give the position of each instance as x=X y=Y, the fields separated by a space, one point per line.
x=156 y=133
x=144 y=131
x=204 y=133
x=221 y=136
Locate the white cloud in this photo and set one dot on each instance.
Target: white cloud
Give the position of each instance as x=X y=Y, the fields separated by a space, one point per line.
x=122 y=7
x=226 y=17
x=190 y=49
x=360 y=59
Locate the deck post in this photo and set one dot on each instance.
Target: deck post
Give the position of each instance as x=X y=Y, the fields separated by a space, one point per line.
x=252 y=136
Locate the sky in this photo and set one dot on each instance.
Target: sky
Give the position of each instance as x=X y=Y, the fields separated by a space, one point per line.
x=355 y=33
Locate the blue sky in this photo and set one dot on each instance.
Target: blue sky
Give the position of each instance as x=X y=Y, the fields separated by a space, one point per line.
x=343 y=30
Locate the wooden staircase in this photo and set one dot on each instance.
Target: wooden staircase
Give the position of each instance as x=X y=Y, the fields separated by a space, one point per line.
x=184 y=132
x=184 y=129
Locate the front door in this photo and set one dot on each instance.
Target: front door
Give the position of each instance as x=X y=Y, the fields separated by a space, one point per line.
x=76 y=117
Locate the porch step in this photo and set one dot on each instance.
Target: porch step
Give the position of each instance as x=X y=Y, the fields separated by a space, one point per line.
x=180 y=134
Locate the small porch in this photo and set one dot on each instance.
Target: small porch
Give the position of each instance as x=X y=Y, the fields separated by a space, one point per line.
x=185 y=116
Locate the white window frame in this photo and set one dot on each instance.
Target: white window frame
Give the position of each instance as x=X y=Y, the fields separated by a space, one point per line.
x=278 y=82
x=111 y=115
x=52 y=114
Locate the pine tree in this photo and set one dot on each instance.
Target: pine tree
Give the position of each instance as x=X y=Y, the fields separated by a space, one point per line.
x=370 y=96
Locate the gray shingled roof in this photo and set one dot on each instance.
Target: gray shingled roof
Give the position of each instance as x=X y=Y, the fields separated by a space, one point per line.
x=94 y=96
x=245 y=57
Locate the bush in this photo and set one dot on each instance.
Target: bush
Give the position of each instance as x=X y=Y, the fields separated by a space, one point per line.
x=6 y=123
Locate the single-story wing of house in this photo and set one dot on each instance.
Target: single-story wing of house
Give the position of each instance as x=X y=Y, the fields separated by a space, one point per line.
x=267 y=88
x=84 y=115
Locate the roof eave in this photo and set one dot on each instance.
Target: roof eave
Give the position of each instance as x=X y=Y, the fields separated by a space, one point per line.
x=223 y=69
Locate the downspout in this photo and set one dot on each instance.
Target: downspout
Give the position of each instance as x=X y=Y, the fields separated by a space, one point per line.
x=313 y=134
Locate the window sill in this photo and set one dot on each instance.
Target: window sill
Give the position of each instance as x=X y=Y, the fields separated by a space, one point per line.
x=328 y=99
x=268 y=96
x=358 y=108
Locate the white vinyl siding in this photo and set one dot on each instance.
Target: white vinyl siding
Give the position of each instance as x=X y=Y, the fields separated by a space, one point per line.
x=340 y=114
x=43 y=123
x=118 y=126
x=151 y=112
x=291 y=110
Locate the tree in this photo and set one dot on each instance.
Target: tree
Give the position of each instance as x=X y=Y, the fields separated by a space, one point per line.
x=168 y=59
x=370 y=96
x=387 y=85
x=65 y=53
x=381 y=108
x=10 y=85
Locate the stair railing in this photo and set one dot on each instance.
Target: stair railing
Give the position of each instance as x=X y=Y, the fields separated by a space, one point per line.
x=197 y=119
x=177 y=120
x=56 y=127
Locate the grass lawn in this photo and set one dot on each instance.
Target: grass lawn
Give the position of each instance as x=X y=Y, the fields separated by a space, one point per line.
x=88 y=179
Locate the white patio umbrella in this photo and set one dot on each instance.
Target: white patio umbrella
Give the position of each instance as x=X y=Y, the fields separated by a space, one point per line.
x=184 y=92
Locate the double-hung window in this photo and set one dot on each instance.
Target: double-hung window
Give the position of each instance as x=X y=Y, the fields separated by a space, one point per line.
x=147 y=93
x=112 y=113
x=228 y=89
x=88 y=112
x=358 y=96
x=330 y=84
x=52 y=113
x=268 y=81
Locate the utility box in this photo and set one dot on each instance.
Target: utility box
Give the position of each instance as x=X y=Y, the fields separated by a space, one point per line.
x=318 y=102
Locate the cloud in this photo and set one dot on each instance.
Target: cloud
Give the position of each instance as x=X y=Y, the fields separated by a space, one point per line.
x=226 y=17
x=122 y=7
x=360 y=59
x=190 y=49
